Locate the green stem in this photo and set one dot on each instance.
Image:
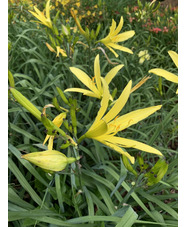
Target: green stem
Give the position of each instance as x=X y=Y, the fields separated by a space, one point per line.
x=81 y=138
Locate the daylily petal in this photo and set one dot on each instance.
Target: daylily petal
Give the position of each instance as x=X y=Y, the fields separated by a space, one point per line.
x=111 y=74
x=167 y=75
x=119 y=150
x=123 y=36
x=39 y=17
x=50 y=48
x=142 y=59
x=58 y=120
x=99 y=129
x=134 y=117
x=174 y=57
x=104 y=103
x=118 y=29
x=134 y=144
x=59 y=50
x=116 y=55
x=112 y=27
x=84 y=91
x=85 y=79
x=50 y=143
x=97 y=72
x=119 y=104
x=48 y=9
x=118 y=47
x=46 y=139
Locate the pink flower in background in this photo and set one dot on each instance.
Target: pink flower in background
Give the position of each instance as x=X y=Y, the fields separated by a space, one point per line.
x=156 y=30
x=135 y=8
x=131 y=19
x=165 y=29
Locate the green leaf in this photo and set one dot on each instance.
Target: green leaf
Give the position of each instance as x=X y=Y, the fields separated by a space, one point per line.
x=24 y=183
x=89 y=201
x=59 y=191
x=25 y=133
x=128 y=219
x=14 y=198
x=106 y=198
x=164 y=206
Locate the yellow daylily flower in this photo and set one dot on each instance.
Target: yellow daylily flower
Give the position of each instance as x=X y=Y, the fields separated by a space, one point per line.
x=95 y=85
x=143 y=55
x=113 y=38
x=59 y=50
x=164 y=73
x=40 y=15
x=58 y=120
x=107 y=125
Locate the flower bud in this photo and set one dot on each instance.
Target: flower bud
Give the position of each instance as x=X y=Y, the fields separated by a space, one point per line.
x=49 y=160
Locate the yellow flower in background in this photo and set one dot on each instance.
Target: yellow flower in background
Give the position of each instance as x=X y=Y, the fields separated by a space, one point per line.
x=113 y=38
x=40 y=15
x=107 y=125
x=51 y=160
x=58 y=120
x=65 y=2
x=94 y=84
x=88 y=13
x=164 y=73
x=59 y=50
x=143 y=55
x=78 y=23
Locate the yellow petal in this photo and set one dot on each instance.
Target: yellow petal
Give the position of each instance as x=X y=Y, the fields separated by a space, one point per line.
x=59 y=50
x=84 y=91
x=111 y=74
x=123 y=36
x=174 y=57
x=133 y=144
x=97 y=73
x=119 y=150
x=85 y=79
x=112 y=27
x=118 y=47
x=50 y=143
x=118 y=29
x=119 y=104
x=108 y=46
x=48 y=9
x=133 y=117
x=58 y=120
x=104 y=103
x=39 y=17
x=50 y=48
x=167 y=75
x=97 y=130
x=46 y=139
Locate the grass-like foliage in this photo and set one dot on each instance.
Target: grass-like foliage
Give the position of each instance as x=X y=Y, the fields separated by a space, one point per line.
x=93 y=125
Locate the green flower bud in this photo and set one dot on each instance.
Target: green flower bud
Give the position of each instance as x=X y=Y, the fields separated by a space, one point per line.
x=128 y=165
x=51 y=160
x=62 y=95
